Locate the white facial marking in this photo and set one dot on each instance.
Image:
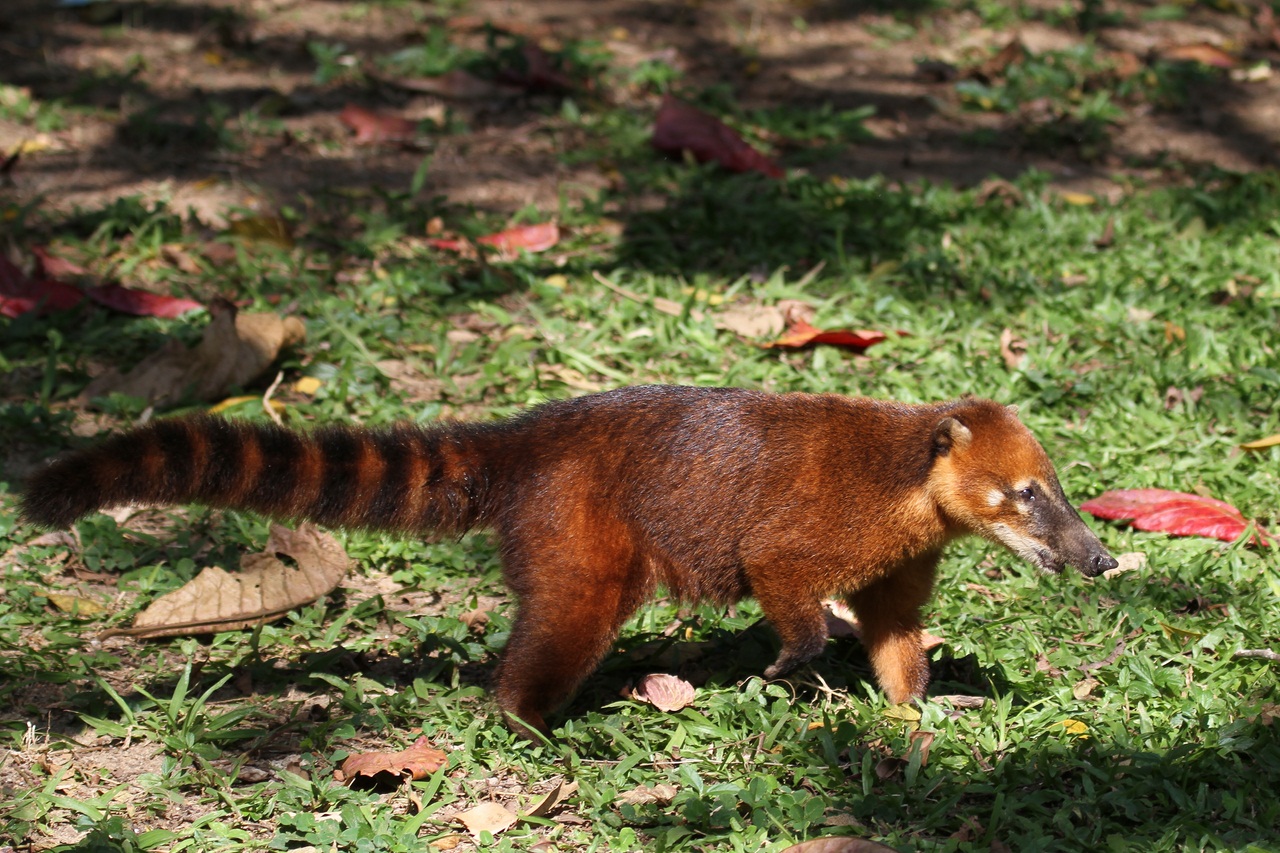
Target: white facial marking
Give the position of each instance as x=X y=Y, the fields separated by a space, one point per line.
x=1022 y=545
x=995 y=497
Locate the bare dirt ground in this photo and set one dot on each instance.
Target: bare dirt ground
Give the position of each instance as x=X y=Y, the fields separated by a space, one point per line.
x=168 y=61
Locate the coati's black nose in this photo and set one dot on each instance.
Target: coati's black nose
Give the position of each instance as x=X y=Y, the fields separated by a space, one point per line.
x=1100 y=563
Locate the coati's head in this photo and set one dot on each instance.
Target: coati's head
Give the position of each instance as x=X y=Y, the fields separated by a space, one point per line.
x=991 y=477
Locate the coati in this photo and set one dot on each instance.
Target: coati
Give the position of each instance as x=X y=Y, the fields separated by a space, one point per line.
x=712 y=493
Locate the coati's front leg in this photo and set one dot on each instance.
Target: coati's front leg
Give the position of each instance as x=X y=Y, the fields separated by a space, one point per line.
x=889 y=614
x=799 y=621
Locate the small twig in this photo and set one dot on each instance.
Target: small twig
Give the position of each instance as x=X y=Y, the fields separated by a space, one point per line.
x=266 y=400
x=658 y=303
x=1265 y=654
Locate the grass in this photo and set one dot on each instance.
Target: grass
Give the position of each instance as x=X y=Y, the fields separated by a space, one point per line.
x=229 y=743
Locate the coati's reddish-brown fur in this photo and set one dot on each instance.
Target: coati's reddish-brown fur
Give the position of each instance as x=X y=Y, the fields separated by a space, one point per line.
x=712 y=493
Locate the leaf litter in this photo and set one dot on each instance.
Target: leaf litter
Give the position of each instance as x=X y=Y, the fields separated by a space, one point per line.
x=264 y=589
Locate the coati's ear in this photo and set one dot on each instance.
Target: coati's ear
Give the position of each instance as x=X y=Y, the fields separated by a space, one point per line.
x=950 y=434
x=1013 y=409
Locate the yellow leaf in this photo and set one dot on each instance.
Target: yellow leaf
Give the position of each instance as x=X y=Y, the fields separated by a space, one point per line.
x=307 y=385
x=1074 y=727
x=1262 y=443
x=266 y=229
x=74 y=604
x=558 y=281
x=905 y=712
x=232 y=402
x=1078 y=199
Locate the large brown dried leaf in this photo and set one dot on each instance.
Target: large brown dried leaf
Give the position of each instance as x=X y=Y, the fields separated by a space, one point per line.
x=234 y=351
x=418 y=761
x=264 y=588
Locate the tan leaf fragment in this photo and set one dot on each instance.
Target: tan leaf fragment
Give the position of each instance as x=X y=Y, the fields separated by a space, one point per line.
x=1128 y=562
x=487 y=817
x=418 y=761
x=664 y=692
x=642 y=795
x=264 y=588
x=1084 y=689
x=235 y=350
x=1012 y=350
x=553 y=799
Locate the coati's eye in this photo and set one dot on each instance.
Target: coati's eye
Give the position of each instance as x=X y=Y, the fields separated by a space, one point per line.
x=1027 y=495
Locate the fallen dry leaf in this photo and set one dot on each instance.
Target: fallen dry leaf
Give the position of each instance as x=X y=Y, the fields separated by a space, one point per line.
x=664 y=692
x=142 y=303
x=531 y=238
x=537 y=72
x=235 y=350
x=1205 y=54
x=418 y=761
x=372 y=128
x=680 y=127
x=1012 y=350
x=644 y=795
x=801 y=334
x=1128 y=562
x=1084 y=689
x=21 y=293
x=553 y=799
x=752 y=319
x=1176 y=513
x=75 y=605
x=922 y=741
x=264 y=589
x=1262 y=443
x=487 y=817
x=262 y=229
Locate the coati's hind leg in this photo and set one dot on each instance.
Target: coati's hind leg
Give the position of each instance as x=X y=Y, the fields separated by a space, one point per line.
x=571 y=607
x=889 y=613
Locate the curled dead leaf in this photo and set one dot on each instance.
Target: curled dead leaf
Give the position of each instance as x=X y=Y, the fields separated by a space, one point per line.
x=264 y=588
x=235 y=350
x=664 y=692
x=1084 y=689
x=1012 y=350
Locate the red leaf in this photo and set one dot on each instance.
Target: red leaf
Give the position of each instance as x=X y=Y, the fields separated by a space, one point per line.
x=801 y=334
x=52 y=265
x=1176 y=513
x=680 y=127
x=372 y=127
x=533 y=238
x=20 y=293
x=140 y=302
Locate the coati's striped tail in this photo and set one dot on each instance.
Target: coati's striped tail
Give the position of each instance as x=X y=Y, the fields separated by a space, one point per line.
x=398 y=478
